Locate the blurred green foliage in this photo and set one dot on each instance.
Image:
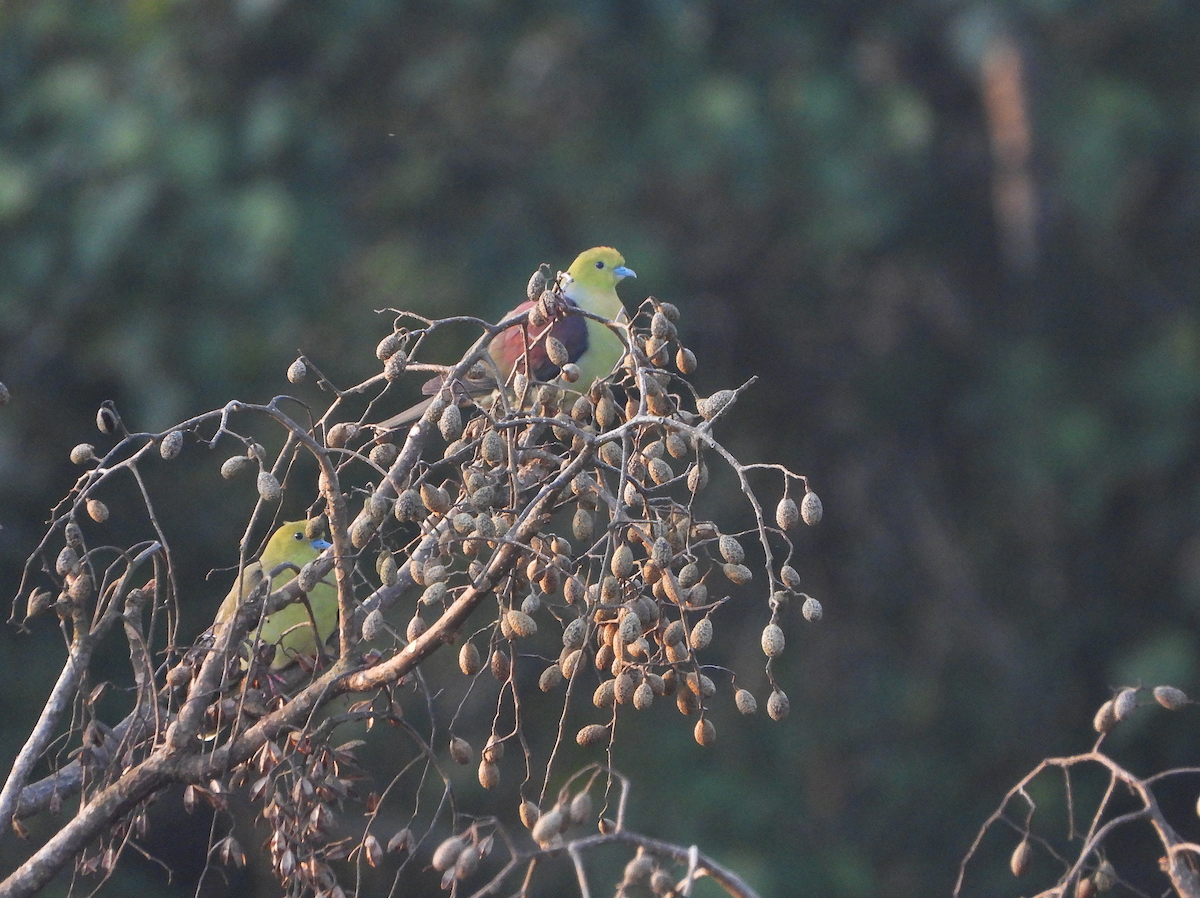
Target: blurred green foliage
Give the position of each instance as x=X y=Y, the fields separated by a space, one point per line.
x=189 y=192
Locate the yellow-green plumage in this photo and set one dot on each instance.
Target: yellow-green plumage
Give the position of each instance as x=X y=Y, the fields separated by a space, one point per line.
x=290 y=628
x=594 y=276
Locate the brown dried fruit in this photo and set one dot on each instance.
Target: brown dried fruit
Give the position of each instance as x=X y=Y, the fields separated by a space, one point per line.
x=393 y=368
x=738 y=574
x=605 y=694
x=731 y=549
x=549 y=826
x=73 y=535
x=416 y=627
x=537 y=285
x=551 y=678
x=468 y=863
x=269 y=489
x=500 y=666
x=659 y=404
x=582 y=524
x=604 y=657
x=171 y=445
x=810 y=508
x=67 y=562
x=1021 y=856
x=80 y=587
x=387 y=347
x=678 y=445
x=622 y=561
x=671 y=588
x=41 y=599
x=686 y=701
x=460 y=750
x=361 y=531
x=1105 y=718
x=556 y=351
x=674 y=634
x=611 y=454
x=583 y=410
x=685 y=361
x=520 y=623
x=709 y=408
x=489 y=774
x=388 y=572
x=778 y=705
x=372 y=624
x=630 y=627
x=493 y=449
x=745 y=701
x=789 y=576
x=436 y=499
x=341 y=434
x=572 y=662
x=592 y=734
x=1170 y=698
x=772 y=640
x=581 y=807
x=450 y=423
x=786 y=513
x=434 y=593
x=676 y=652
x=624 y=686
x=643 y=696
x=401 y=841
x=469 y=661
x=575 y=633
x=409 y=506
x=606 y=413
x=493 y=749
x=446 y=854
x=1125 y=703
x=701 y=685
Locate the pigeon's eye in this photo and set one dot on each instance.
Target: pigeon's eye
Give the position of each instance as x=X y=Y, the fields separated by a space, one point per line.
x=298 y=535
x=599 y=264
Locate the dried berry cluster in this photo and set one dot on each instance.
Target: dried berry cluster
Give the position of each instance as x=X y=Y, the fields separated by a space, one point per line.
x=302 y=786
x=618 y=562
x=551 y=524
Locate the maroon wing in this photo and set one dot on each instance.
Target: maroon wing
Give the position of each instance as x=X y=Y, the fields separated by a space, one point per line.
x=509 y=348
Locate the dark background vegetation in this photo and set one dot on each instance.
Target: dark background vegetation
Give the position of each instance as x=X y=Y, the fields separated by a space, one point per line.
x=984 y=350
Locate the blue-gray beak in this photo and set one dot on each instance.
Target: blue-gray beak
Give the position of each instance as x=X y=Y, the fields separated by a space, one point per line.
x=623 y=272
x=320 y=545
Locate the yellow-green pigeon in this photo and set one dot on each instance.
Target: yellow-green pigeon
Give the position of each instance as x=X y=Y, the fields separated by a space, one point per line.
x=591 y=284
x=290 y=629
